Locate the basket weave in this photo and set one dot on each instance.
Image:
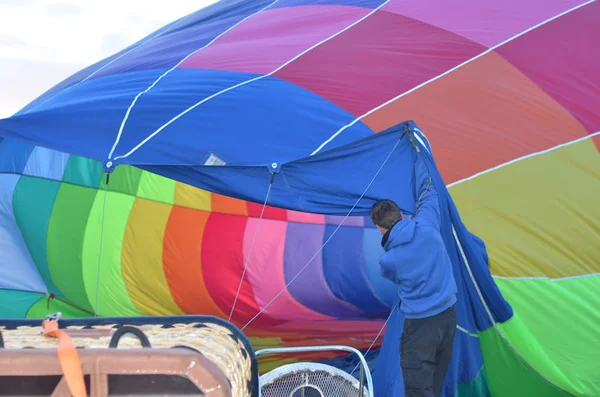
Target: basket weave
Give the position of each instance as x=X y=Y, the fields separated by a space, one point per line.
x=217 y=343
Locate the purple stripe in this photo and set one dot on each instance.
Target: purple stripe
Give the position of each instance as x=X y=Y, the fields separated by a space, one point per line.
x=310 y=288
x=350 y=221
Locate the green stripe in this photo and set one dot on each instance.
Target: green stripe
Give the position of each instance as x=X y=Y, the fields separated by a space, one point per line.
x=15 y=304
x=558 y=328
x=477 y=388
x=507 y=374
x=65 y=241
x=45 y=306
x=33 y=199
x=157 y=188
x=113 y=298
x=83 y=172
x=124 y=179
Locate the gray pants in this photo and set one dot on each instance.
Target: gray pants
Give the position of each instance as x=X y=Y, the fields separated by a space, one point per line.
x=425 y=353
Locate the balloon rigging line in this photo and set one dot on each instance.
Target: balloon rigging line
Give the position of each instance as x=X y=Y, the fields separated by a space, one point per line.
x=328 y=240
x=376 y=337
x=100 y=248
x=223 y=91
x=247 y=261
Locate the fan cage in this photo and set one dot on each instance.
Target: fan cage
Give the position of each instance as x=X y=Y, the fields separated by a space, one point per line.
x=310 y=380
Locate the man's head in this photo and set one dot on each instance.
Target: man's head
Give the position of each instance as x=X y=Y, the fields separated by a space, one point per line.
x=385 y=214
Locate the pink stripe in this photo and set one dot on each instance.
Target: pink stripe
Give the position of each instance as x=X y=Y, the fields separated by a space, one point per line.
x=563 y=59
x=273 y=37
x=485 y=22
x=265 y=271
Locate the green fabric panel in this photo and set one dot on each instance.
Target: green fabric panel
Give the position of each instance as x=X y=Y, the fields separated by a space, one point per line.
x=45 y=306
x=477 y=388
x=83 y=172
x=65 y=241
x=157 y=188
x=113 y=297
x=124 y=179
x=507 y=374
x=15 y=304
x=558 y=329
x=33 y=199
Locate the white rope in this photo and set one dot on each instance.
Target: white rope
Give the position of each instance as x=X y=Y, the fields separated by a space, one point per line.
x=247 y=261
x=132 y=104
x=225 y=90
x=376 y=338
x=127 y=52
x=100 y=248
x=423 y=84
x=328 y=240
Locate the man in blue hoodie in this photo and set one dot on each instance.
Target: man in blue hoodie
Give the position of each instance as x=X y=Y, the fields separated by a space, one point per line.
x=416 y=260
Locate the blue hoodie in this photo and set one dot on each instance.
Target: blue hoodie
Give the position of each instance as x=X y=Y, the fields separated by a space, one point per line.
x=415 y=256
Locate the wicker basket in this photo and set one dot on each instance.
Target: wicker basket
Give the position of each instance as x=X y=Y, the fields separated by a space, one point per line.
x=227 y=352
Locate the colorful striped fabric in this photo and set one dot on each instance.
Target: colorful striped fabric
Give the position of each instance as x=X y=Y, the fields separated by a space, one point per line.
x=506 y=92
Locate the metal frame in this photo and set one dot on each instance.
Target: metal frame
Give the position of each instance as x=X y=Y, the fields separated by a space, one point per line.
x=365 y=372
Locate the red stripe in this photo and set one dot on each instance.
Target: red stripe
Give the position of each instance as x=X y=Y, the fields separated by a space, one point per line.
x=223 y=264
x=254 y=211
x=380 y=57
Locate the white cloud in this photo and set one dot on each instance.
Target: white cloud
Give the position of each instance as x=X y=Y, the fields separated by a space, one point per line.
x=45 y=41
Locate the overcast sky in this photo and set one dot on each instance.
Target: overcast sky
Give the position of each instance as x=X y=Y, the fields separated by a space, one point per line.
x=44 y=41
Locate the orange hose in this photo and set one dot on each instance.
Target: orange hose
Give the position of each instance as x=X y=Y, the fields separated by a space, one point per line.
x=68 y=358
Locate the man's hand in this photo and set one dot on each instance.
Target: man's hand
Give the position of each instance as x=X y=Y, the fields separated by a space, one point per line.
x=411 y=138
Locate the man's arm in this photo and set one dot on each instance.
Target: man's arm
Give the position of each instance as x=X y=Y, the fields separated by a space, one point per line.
x=428 y=205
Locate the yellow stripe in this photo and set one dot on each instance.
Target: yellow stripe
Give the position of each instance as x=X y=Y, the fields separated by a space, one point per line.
x=539 y=216
x=143 y=259
x=192 y=197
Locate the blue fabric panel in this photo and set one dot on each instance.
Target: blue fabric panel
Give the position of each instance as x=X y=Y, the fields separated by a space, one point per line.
x=326 y=183
x=266 y=127
x=345 y=271
x=384 y=289
x=14 y=155
x=477 y=261
x=46 y=163
x=16 y=265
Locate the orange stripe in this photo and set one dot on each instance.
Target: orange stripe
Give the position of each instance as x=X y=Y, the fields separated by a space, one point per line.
x=183 y=261
x=481 y=115
x=228 y=205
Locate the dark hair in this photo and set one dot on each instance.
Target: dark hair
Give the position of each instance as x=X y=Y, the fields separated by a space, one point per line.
x=385 y=213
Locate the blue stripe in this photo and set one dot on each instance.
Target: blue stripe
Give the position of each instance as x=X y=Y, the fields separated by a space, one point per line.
x=14 y=155
x=345 y=270
x=268 y=119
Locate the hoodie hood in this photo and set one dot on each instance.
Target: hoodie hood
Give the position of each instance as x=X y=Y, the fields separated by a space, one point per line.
x=401 y=233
